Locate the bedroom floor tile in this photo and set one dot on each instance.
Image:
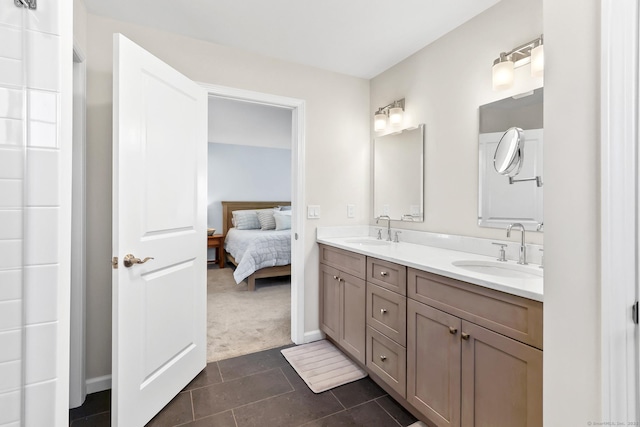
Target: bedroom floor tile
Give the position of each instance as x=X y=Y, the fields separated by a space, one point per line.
x=260 y=389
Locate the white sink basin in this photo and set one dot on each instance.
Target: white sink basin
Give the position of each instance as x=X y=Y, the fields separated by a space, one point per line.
x=501 y=269
x=368 y=242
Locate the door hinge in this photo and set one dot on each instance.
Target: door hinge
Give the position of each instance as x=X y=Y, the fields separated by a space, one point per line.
x=114 y=262
x=634 y=312
x=30 y=4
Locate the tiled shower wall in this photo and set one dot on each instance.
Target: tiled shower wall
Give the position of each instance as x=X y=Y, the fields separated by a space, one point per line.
x=30 y=87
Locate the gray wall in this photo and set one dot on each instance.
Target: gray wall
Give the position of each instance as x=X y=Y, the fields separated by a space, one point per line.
x=241 y=172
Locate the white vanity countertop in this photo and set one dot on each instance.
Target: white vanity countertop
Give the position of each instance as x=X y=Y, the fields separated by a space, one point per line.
x=440 y=261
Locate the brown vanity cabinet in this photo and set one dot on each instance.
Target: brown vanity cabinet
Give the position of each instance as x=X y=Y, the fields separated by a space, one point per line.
x=455 y=353
x=342 y=299
x=462 y=374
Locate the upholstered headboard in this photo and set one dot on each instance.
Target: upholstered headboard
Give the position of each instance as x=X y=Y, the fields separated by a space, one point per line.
x=229 y=207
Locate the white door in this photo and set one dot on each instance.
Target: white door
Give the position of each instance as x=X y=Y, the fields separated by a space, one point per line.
x=159 y=211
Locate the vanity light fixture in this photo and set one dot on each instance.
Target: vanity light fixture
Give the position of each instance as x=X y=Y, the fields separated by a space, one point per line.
x=393 y=112
x=504 y=66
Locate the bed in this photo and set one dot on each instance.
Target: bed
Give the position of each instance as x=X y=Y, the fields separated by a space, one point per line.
x=249 y=246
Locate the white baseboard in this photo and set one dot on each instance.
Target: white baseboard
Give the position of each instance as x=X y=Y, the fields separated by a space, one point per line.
x=97 y=384
x=312 y=336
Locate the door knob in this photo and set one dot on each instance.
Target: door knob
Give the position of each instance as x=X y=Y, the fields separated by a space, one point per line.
x=130 y=259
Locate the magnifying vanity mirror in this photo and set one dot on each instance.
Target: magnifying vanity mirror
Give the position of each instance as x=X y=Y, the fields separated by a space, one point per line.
x=510 y=161
x=508 y=155
x=398 y=175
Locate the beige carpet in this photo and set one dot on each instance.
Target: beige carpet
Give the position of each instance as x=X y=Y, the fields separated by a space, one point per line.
x=242 y=322
x=322 y=366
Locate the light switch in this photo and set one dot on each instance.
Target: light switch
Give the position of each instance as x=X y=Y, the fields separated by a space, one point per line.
x=351 y=211
x=313 y=211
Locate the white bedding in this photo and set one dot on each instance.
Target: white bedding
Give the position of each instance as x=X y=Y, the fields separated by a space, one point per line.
x=256 y=249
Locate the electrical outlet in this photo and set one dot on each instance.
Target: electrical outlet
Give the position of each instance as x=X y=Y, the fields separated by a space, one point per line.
x=351 y=211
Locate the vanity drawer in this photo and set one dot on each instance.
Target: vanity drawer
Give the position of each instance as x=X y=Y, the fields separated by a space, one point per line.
x=388 y=360
x=510 y=315
x=387 y=312
x=387 y=274
x=349 y=262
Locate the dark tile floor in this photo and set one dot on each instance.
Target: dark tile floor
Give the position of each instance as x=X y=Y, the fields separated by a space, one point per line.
x=263 y=390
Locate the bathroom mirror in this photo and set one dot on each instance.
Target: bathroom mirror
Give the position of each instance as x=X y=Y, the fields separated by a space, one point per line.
x=517 y=123
x=398 y=175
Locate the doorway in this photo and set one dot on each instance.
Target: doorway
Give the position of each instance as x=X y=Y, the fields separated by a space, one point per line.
x=249 y=167
x=297 y=108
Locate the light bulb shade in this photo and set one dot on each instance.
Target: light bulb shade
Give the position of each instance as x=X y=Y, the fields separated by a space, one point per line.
x=380 y=122
x=502 y=75
x=395 y=115
x=537 y=61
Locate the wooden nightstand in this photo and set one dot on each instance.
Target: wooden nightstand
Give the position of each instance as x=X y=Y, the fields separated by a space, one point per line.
x=216 y=241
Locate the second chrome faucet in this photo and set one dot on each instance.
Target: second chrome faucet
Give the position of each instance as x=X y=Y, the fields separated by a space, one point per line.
x=522 y=258
x=388 y=225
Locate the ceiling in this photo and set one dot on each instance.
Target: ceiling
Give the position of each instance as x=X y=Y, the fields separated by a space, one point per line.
x=356 y=37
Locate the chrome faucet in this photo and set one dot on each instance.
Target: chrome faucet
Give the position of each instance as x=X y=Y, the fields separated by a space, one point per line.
x=522 y=259
x=388 y=225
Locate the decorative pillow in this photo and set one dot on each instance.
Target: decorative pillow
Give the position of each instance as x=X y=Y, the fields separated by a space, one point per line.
x=284 y=208
x=283 y=220
x=246 y=220
x=265 y=217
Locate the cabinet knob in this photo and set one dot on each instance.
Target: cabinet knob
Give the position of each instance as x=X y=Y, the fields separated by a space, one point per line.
x=383 y=358
x=336 y=278
x=383 y=310
x=453 y=330
x=384 y=273
x=465 y=336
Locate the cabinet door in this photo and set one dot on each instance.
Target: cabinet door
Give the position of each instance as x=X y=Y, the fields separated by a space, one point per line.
x=501 y=380
x=330 y=301
x=433 y=363
x=352 y=315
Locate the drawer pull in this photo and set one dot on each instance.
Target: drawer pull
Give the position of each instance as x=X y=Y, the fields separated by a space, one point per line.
x=384 y=273
x=383 y=358
x=335 y=278
x=383 y=310
x=465 y=336
x=453 y=330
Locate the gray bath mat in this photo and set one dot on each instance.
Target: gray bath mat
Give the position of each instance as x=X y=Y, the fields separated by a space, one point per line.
x=322 y=366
